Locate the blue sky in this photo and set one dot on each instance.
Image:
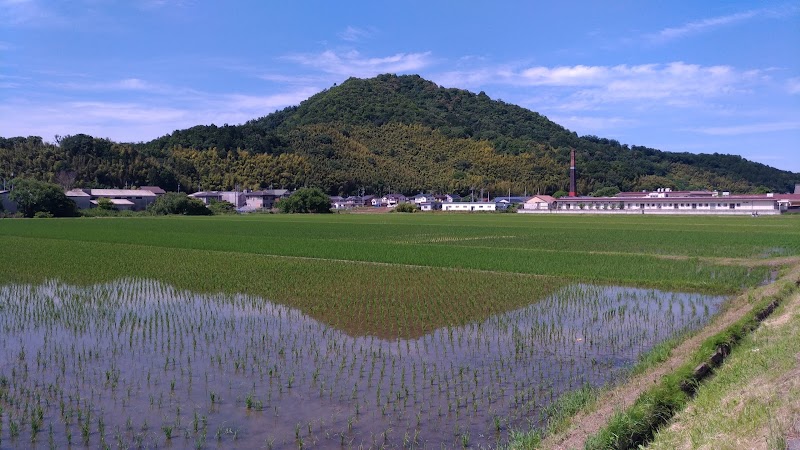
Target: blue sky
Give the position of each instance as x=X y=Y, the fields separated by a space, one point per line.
x=712 y=76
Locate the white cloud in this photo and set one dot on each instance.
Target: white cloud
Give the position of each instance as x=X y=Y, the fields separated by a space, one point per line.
x=582 y=87
x=736 y=130
x=139 y=119
x=352 y=63
x=353 y=34
x=593 y=123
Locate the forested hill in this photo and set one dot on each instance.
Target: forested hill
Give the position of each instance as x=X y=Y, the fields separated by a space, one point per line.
x=388 y=133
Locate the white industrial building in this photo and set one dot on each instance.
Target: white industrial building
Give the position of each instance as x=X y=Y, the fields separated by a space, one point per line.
x=664 y=201
x=469 y=206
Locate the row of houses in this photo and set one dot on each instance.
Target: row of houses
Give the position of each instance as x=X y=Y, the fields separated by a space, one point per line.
x=140 y=199
x=661 y=201
x=244 y=200
x=424 y=201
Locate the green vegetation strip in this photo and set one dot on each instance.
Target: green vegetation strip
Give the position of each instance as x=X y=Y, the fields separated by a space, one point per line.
x=636 y=425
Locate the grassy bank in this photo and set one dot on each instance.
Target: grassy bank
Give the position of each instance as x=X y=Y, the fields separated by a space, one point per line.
x=754 y=399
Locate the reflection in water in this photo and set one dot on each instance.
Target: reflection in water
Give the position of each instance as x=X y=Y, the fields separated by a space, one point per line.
x=138 y=363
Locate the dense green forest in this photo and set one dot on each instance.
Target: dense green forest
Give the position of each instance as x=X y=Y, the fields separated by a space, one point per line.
x=388 y=133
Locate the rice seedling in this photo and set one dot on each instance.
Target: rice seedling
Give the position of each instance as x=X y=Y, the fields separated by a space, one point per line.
x=486 y=374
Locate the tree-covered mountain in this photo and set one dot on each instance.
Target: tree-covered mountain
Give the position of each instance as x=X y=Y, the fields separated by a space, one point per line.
x=388 y=133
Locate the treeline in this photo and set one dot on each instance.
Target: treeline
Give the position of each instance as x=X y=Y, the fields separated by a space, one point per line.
x=388 y=133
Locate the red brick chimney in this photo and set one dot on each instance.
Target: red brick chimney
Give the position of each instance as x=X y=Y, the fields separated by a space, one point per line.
x=572 y=189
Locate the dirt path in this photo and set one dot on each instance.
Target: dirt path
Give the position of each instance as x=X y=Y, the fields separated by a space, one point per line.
x=588 y=423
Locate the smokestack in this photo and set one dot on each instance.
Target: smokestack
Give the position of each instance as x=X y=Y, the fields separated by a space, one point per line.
x=572 y=189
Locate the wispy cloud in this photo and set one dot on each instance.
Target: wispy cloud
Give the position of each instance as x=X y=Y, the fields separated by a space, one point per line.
x=352 y=63
x=126 y=84
x=712 y=23
x=701 y=26
x=736 y=130
x=354 y=34
x=27 y=12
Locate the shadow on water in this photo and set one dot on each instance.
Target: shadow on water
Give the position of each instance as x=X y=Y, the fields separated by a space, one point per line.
x=138 y=363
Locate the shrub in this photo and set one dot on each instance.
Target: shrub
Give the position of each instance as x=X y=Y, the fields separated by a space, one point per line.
x=405 y=208
x=105 y=204
x=178 y=203
x=305 y=200
x=222 y=207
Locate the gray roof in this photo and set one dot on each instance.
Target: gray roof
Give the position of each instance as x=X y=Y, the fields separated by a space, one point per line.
x=207 y=194
x=77 y=193
x=120 y=193
x=510 y=199
x=154 y=189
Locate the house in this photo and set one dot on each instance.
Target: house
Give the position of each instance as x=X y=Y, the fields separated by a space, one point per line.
x=236 y=198
x=539 y=203
x=207 y=196
x=447 y=198
x=424 y=198
x=264 y=199
x=391 y=200
x=788 y=202
x=128 y=199
x=154 y=189
x=504 y=202
x=81 y=197
x=469 y=206
x=430 y=206
x=9 y=206
x=797 y=189
x=335 y=199
x=343 y=203
x=366 y=200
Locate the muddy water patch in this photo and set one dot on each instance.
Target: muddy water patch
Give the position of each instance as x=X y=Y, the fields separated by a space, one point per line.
x=139 y=363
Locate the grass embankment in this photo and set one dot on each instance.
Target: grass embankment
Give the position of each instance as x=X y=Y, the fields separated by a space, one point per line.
x=754 y=399
x=628 y=415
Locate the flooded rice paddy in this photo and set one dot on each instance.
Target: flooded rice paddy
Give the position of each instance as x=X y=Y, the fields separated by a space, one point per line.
x=139 y=364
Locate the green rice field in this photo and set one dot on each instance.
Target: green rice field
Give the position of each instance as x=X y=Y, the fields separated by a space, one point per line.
x=291 y=331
